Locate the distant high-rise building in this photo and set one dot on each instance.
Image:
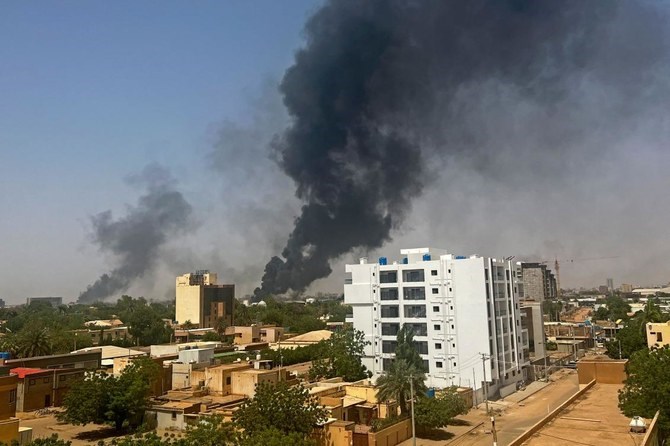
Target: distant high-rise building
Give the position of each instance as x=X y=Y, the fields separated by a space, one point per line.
x=53 y=301
x=539 y=282
x=603 y=289
x=2 y=303
x=610 y=285
x=626 y=288
x=202 y=301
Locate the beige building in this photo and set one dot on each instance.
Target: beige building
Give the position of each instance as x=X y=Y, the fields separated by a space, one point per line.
x=658 y=334
x=202 y=301
x=255 y=333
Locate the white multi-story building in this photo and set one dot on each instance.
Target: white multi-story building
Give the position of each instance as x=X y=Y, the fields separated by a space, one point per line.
x=460 y=308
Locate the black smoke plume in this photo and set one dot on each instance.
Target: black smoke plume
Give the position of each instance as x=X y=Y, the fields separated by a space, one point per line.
x=372 y=98
x=135 y=240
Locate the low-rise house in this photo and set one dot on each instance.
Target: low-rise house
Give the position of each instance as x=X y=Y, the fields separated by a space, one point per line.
x=171 y=415
x=109 y=352
x=305 y=339
x=88 y=359
x=658 y=334
x=40 y=388
x=10 y=429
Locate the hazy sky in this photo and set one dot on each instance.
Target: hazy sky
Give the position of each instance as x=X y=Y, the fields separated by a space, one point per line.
x=90 y=92
x=93 y=92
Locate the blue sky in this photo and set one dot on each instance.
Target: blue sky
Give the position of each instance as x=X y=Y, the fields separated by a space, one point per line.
x=92 y=91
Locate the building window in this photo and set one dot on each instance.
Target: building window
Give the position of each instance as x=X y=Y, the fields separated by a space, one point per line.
x=451 y=307
x=454 y=364
x=389 y=346
x=421 y=347
x=390 y=329
x=415 y=310
x=659 y=337
x=435 y=291
x=419 y=329
x=436 y=327
x=391 y=311
x=174 y=415
x=452 y=326
x=438 y=346
x=413 y=275
x=228 y=380
x=414 y=293
x=426 y=365
x=436 y=309
x=433 y=272
x=388 y=277
x=386 y=363
x=438 y=364
x=389 y=294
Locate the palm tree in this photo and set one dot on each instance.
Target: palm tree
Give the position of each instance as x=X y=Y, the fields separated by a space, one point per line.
x=31 y=342
x=395 y=383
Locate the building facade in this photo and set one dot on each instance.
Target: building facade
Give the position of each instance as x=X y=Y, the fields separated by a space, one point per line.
x=464 y=311
x=202 y=301
x=539 y=282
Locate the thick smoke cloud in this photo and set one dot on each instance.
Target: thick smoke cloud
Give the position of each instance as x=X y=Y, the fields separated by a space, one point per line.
x=135 y=240
x=385 y=92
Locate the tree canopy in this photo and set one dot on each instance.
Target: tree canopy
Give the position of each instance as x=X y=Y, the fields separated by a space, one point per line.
x=647 y=388
x=282 y=407
x=102 y=398
x=434 y=413
x=342 y=357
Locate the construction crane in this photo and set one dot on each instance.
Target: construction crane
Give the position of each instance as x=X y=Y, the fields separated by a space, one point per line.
x=557 y=268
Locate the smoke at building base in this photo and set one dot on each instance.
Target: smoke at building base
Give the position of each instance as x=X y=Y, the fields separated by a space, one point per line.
x=380 y=91
x=135 y=239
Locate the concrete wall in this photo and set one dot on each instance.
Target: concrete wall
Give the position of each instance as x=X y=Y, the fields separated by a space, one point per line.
x=244 y=382
x=603 y=372
x=9 y=430
x=188 y=303
x=165 y=421
x=86 y=360
x=392 y=435
x=651 y=436
x=34 y=392
x=8 y=393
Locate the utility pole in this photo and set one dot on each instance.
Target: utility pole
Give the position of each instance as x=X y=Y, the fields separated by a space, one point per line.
x=486 y=385
x=474 y=387
x=411 y=401
x=493 y=431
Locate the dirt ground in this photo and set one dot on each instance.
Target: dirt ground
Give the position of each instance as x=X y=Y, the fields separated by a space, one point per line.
x=47 y=425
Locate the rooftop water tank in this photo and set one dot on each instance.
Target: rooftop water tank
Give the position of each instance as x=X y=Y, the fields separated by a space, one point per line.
x=460 y=257
x=637 y=424
x=383 y=261
x=426 y=257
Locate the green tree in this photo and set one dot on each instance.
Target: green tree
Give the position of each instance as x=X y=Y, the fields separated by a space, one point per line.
x=618 y=308
x=406 y=350
x=434 y=413
x=282 y=407
x=33 y=342
x=102 y=398
x=394 y=384
x=343 y=350
x=647 y=388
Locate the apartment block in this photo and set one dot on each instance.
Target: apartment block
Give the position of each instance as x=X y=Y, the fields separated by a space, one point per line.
x=202 y=301
x=539 y=282
x=459 y=307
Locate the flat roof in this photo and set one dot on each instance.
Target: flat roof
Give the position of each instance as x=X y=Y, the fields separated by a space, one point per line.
x=592 y=419
x=179 y=405
x=25 y=371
